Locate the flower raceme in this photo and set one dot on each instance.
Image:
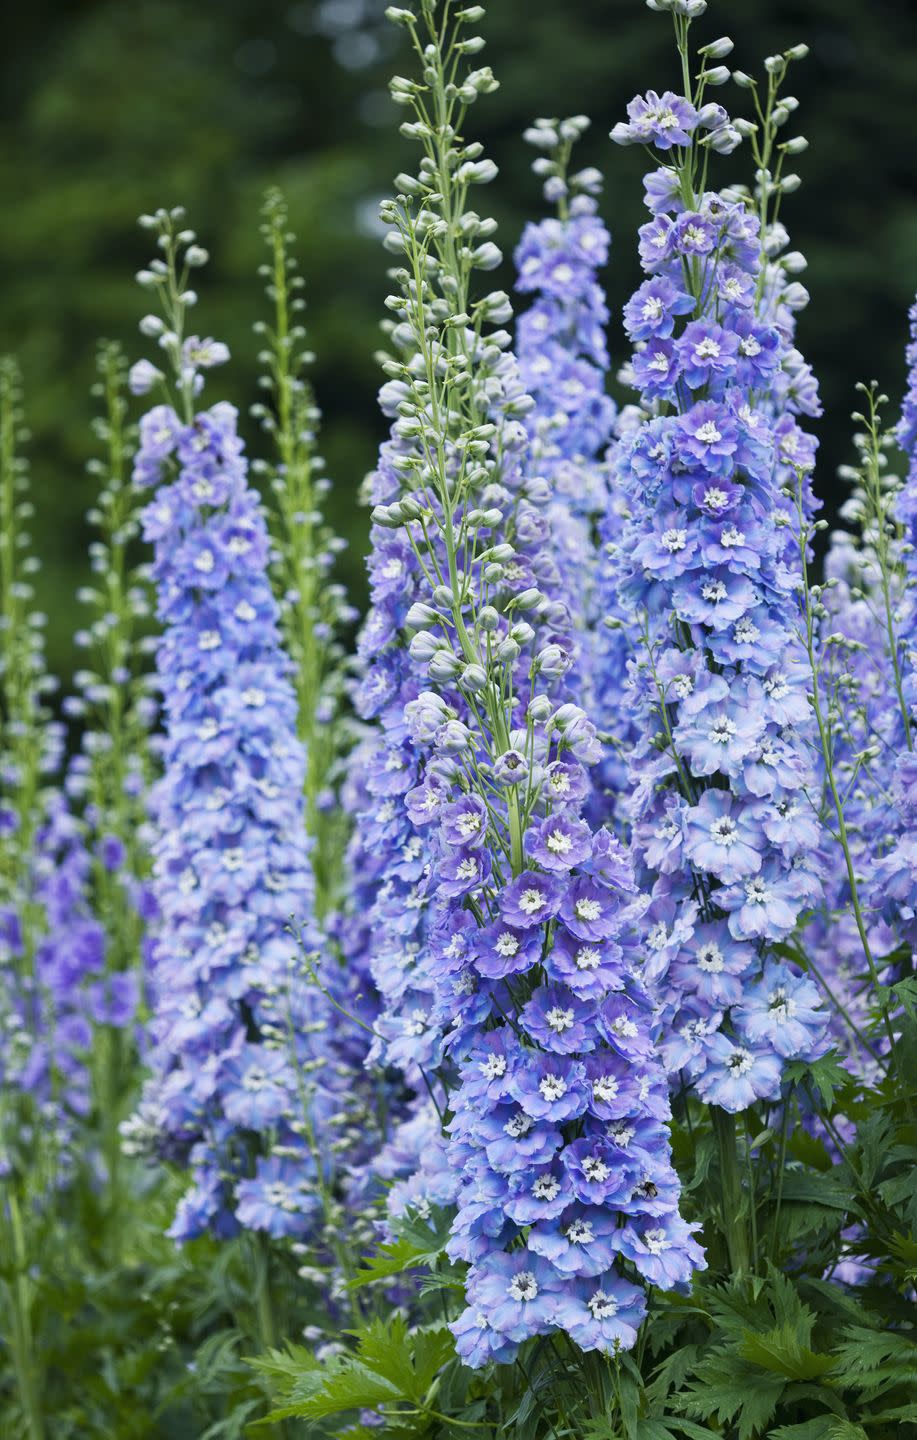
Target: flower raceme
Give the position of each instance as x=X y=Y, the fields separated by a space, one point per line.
x=238 y=1030
x=721 y=775
x=532 y=1013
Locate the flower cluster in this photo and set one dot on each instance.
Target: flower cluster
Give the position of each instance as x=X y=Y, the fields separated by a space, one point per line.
x=562 y=354
x=238 y=1028
x=532 y=1009
x=721 y=775
x=897 y=873
x=55 y=990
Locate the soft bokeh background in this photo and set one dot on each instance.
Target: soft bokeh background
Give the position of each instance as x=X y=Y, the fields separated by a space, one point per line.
x=109 y=108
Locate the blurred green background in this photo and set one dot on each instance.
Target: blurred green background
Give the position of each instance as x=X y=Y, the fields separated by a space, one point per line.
x=112 y=107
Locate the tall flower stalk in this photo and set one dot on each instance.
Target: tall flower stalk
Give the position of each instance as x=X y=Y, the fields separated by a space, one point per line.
x=313 y=608
x=110 y=777
x=721 y=775
x=238 y=1029
x=534 y=1017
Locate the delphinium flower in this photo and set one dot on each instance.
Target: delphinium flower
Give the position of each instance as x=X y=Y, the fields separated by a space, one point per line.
x=724 y=827
x=863 y=616
x=866 y=720
x=898 y=873
x=563 y=359
x=108 y=779
x=236 y=1091
x=51 y=948
x=533 y=1011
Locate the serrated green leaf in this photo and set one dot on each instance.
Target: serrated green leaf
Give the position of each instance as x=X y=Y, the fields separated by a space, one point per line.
x=418 y=1244
x=780 y=1351
x=672 y=1372
x=283 y=1365
x=817 y=1429
x=846 y=1430
x=649 y=1429
x=390 y=1259
x=348 y=1386
x=862 y=1351
x=734 y=1391
x=827 y=1074
x=688 y=1427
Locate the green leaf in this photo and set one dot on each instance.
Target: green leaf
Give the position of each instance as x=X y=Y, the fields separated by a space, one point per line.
x=817 y=1429
x=390 y=1259
x=409 y=1362
x=734 y=1391
x=904 y=993
x=862 y=1351
x=896 y=1412
x=284 y=1365
x=780 y=1351
x=825 y=1190
x=672 y=1372
x=348 y=1386
x=826 y=1074
x=418 y=1244
x=846 y=1430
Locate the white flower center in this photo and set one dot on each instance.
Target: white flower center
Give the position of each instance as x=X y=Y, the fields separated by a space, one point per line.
x=546 y=1187
x=587 y=958
x=710 y=958
x=595 y=1168
x=602 y=1306
x=587 y=909
x=553 y=1087
x=493 y=1068
x=532 y=900
x=468 y=824
x=519 y=1125
x=559 y=1020
x=724 y=831
x=740 y=1062
x=708 y=433
x=580 y=1233
x=605 y=1087
x=722 y=730
x=523 y=1286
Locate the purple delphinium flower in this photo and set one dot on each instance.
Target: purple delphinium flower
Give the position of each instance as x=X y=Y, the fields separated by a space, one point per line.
x=481 y=749
x=721 y=773
x=235 y=1015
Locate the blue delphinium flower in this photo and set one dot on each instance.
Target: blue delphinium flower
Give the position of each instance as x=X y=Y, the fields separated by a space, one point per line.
x=238 y=1029
x=485 y=756
x=562 y=353
x=53 y=988
x=721 y=773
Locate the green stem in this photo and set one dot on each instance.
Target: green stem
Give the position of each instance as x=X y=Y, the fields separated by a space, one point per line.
x=23 y=1345
x=734 y=1226
x=828 y=757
